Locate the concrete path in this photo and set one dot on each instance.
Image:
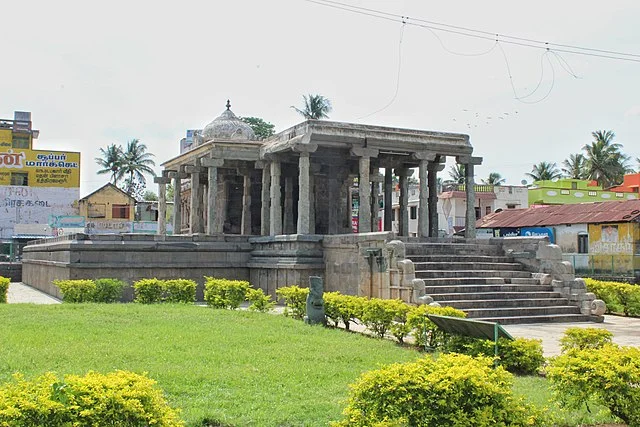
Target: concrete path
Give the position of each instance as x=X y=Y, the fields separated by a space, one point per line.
x=626 y=331
x=21 y=293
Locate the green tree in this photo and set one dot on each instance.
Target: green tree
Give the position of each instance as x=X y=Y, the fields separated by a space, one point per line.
x=315 y=107
x=575 y=166
x=136 y=162
x=111 y=162
x=605 y=162
x=494 y=179
x=150 y=196
x=457 y=173
x=544 y=171
x=262 y=129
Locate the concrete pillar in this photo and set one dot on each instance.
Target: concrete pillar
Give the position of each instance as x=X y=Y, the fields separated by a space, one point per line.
x=304 y=195
x=388 y=199
x=212 y=192
x=162 y=182
x=432 y=183
x=275 y=215
x=265 y=208
x=245 y=226
x=423 y=207
x=288 y=225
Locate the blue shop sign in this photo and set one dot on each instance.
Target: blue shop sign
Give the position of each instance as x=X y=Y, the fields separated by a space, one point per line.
x=538 y=231
x=508 y=232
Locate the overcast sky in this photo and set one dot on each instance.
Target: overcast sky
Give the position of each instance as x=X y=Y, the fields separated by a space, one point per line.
x=93 y=74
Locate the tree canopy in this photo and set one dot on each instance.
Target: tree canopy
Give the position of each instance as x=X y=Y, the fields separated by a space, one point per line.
x=544 y=171
x=316 y=107
x=494 y=178
x=262 y=129
x=127 y=166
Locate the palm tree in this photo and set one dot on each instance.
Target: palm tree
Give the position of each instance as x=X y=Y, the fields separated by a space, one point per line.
x=457 y=173
x=316 y=107
x=135 y=163
x=574 y=166
x=605 y=163
x=111 y=162
x=494 y=179
x=544 y=171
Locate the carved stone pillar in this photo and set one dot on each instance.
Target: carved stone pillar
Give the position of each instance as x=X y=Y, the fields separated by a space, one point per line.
x=265 y=208
x=177 y=211
x=304 y=195
x=432 y=183
x=275 y=216
x=376 y=179
x=288 y=225
x=162 y=182
x=470 y=193
x=423 y=207
x=195 y=200
x=245 y=226
x=388 y=199
x=364 y=187
x=212 y=166
x=403 y=226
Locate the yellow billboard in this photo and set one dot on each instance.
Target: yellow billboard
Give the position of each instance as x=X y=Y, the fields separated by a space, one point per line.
x=36 y=168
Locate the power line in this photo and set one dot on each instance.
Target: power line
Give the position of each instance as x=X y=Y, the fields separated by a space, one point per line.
x=480 y=34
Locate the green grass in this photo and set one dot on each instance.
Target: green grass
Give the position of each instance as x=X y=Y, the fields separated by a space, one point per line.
x=239 y=368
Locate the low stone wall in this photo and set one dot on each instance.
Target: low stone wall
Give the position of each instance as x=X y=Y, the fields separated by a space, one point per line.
x=131 y=257
x=285 y=260
x=12 y=270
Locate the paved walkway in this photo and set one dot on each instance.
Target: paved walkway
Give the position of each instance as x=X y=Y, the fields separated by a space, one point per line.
x=626 y=331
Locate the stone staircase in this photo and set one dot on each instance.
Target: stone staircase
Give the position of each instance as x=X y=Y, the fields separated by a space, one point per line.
x=480 y=280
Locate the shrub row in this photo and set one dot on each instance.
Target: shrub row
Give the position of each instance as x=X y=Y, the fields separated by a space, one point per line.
x=154 y=291
x=116 y=399
x=591 y=368
x=619 y=297
x=229 y=294
x=452 y=390
x=4 y=289
x=99 y=290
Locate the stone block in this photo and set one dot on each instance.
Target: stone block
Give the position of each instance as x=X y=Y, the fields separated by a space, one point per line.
x=406 y=267
x=549 y=252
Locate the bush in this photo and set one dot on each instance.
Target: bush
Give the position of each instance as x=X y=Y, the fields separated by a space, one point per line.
x=522 y=356
x=343 y=308
x=109 y=290
x=4 y=289
x=259 y=301
x=295 y=300
x=425 y=332
x=619 y=297
x=119 y=398
x=223 y=293
x=378 y=314
x=608 y=375
x=180 y=291
x=77 y=291
x=148 y=291
x=584 y=338
x=453 y=390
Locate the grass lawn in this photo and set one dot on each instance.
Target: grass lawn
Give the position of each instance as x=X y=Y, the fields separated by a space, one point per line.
x=235 y=367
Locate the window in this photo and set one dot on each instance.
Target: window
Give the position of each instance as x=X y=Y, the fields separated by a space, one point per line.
x=583 y=243
x=19 y=178
x=510 y=206
x=487 y=210
x=478 y=212
x=619 y=195
x=593 y=193
x=120 y=211
x=20 y=141
x=565 y=192
x=97 y=210
x=413 y=212
x=574 y=185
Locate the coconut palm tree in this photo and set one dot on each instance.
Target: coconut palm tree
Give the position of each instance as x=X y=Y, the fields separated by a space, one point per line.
x=574 y=166
x=544 y=171
x=494 y=179
x=457 y=173
x=316 y=107
x=111 y=162
x=136 y=162
x=605 y=163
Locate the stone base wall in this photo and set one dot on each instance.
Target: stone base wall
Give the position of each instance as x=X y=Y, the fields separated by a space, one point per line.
x=131 y=257
x=286 y=260
x=12 y=270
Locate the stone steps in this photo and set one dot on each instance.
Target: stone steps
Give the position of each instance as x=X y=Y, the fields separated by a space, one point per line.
x=488 y=285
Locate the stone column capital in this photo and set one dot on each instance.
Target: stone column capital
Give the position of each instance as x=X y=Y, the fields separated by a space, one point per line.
x=425 y=155
x=364 y=152
x=161 y=179
x=193 y=169
x=210 y=162
x=178 y=175
x=403 y=171
x=468 y=160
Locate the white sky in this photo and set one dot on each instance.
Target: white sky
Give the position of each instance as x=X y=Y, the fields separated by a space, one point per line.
x=93 y=75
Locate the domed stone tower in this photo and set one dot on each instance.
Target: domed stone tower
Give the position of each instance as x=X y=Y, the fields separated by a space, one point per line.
x=227 y=126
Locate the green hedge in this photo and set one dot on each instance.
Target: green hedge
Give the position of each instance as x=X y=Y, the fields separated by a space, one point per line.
x=295 y=300
x=343 y=308
x=179 y=291
x=584 y=339
x=117 y=399
x=259 y=301
x=4 y=289
x=109 y=290
x=619 y=297
x=148 y=291
x=77 y=291
x=223 y=293
x=453 y=390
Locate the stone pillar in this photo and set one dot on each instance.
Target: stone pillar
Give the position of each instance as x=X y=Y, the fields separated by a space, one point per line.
x=304 y=195
x=245 y=226
x=162 y=182
x=177 y=208
x=364 y=187
x=264 y=209
x=346 y=185
x=376 y=179
x=212 y=166
x=195 y=201
x=334 y=201
x=288 y=225
x=312 y=203
x=432 y=183
x=403 y=226
x=470 y=219
x=275 y=215
x=221 y=203
x=388 y=199
x=423 y=207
